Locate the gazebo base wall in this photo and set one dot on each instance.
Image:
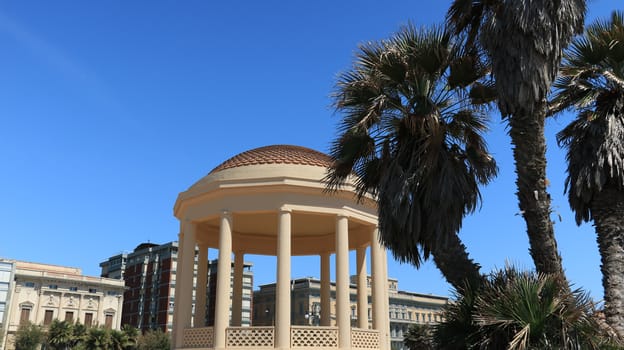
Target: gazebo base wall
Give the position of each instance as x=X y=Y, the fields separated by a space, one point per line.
x=262 y=338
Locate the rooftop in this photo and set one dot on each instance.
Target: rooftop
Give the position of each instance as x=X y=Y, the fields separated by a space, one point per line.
x=276 y=154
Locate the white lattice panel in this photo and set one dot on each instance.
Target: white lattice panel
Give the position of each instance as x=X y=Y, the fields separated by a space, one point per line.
x=250 y=337
x=304 y=337
x=198 y=337
x=364 y=339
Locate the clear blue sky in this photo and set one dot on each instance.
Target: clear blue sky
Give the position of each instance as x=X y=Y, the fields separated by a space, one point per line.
x=109 y=109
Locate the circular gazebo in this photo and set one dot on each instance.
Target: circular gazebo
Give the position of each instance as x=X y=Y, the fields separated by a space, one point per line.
x=272 y=201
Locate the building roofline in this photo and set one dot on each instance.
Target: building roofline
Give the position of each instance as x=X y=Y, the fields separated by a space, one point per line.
x=294 y=281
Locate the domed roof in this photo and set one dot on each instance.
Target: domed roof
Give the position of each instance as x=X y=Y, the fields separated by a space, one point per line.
x=276 y=154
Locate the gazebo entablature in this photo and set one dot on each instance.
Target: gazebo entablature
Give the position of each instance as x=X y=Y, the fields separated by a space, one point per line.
x=280 y=210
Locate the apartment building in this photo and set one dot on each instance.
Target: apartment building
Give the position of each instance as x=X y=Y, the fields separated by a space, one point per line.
x=149 y=273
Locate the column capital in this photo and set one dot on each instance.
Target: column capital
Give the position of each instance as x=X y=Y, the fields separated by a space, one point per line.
x=342 y=215
x=284 y=209
x=226 y=213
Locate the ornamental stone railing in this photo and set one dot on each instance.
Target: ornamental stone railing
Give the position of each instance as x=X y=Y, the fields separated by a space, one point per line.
x=364 y=338
x=301 y=337
x=201 y=337
x=250 y=337
x=318 y=337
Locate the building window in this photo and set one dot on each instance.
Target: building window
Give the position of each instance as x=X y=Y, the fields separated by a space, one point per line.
x=108 y=321
x=69 y=316
x=92 y=290
x=29 y=284
x=25 y=315
x=47 y=318
x=88 y=319
x=111 y=292
x=53 y=286
x=73 y=289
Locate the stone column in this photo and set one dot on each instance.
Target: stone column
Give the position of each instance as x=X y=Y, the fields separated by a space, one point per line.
x=282 y=300
x=386 y=313
x=224 y=270
x=380 y=311
x=200 y=292
x=118 y=312
x=184 y=281
x=100 y=309
x=325 y=290
x=237 y=289
x=362 y=288
x=343 y=310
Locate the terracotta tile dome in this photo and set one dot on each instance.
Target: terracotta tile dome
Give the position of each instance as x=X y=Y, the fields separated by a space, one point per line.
x=276 y=154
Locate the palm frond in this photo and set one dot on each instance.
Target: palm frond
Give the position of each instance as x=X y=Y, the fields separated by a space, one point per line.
x=592 y=82
x=412 y=136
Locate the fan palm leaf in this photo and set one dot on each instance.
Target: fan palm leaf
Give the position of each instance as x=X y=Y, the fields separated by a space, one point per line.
x=519 y=310
x=60 y=335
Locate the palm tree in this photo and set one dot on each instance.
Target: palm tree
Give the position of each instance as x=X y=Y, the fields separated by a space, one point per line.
x=132 y=334
x=413 y=109
x=60 y=335
x=523 y=41
x=418 y=337
x=118 y=340
x=79 y=334
x=519 y=310
x=592 y=81
x=97 y=338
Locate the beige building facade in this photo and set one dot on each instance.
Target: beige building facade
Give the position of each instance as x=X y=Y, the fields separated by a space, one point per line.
x=405 y=308
x=272 y=201
x=41 y=293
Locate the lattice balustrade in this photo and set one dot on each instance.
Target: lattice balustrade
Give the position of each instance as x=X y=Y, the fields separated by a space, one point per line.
x=305 y=337
x=199 y=337
x=364 y=338
x=250 y=337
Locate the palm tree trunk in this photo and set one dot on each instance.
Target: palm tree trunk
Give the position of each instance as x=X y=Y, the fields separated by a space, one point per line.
x=527 y=136
x=608 y=213
x=453 y=261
